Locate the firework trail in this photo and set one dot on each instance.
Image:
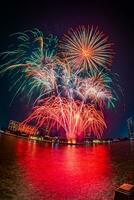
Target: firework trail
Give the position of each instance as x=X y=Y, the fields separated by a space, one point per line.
x=71 y=79
x=74 y=117
x=98 y=89
x=86 y=48
x=34 y=58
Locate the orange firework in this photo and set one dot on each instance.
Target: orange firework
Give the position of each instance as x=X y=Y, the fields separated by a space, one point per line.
x=87 y=48
x=74 y=117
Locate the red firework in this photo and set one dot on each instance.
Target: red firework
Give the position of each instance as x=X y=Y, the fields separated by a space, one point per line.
x=74 y=117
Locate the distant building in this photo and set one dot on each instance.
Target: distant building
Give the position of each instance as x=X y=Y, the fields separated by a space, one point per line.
x=130 y=128
x=22 y=128
x=13 y=126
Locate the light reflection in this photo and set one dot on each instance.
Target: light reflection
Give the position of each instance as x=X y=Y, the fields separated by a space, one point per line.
x=68 y=170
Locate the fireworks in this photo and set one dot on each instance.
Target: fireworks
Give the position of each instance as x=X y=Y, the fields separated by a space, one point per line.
x=35 y=59
x=72 y=79
x=86 y=48
x=98 y=89
x=74 y=117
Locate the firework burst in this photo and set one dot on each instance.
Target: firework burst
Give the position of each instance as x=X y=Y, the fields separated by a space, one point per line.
x=74 y=117
x=34 y=58
x=98 y=88
x=72 y=79
x=86 y=48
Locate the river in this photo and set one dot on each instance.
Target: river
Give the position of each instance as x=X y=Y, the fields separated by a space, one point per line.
x=39 y=171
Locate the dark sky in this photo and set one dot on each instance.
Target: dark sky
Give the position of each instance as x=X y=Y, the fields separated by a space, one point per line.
x=115 y=19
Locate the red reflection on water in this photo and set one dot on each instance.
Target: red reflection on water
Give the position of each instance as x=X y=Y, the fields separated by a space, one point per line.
x=67 y=172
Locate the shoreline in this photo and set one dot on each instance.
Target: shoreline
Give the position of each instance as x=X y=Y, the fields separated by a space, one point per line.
x=39 y=139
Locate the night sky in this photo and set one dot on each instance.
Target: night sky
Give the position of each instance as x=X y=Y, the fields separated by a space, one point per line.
x=116 y=20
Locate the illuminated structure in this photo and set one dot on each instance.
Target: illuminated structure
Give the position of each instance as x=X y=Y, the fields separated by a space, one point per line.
x=13 y=126
x=130 y=128
x=22 y=128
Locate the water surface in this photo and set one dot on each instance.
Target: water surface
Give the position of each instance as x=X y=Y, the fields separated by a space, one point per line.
x=32 y=170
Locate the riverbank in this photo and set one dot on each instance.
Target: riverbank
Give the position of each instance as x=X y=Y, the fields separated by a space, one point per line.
x=54 y=140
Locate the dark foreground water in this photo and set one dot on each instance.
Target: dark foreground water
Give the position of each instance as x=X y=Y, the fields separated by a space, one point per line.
x=38 y=171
